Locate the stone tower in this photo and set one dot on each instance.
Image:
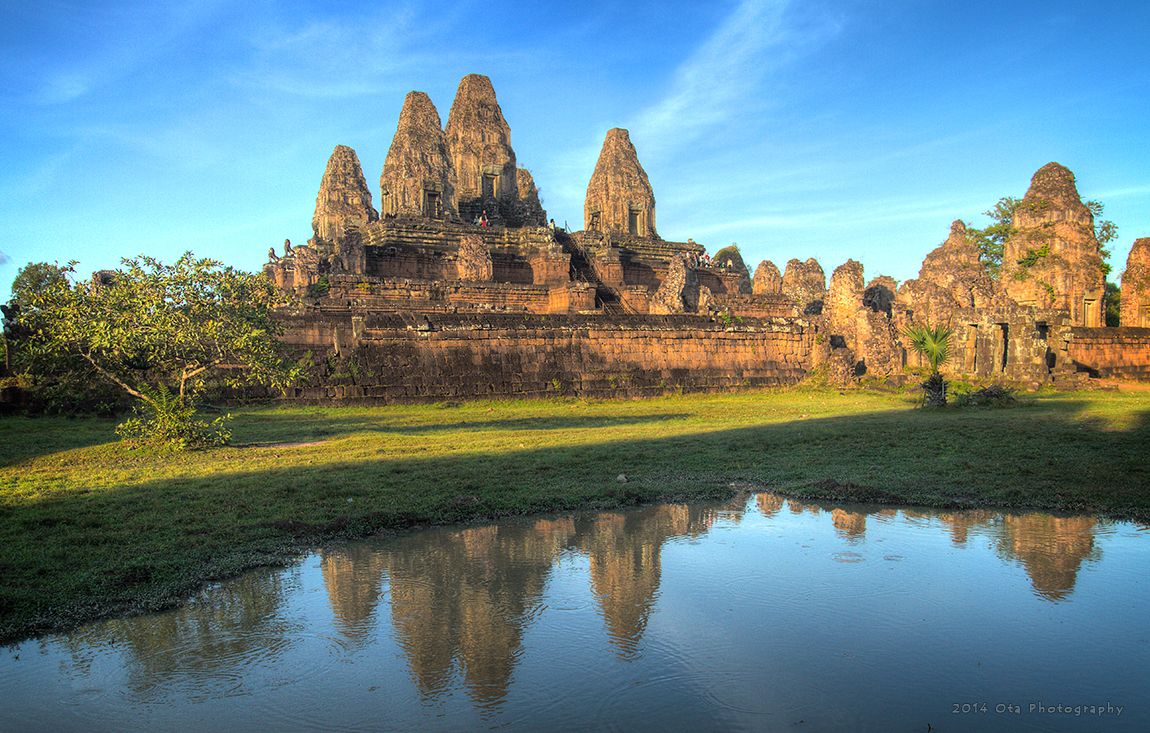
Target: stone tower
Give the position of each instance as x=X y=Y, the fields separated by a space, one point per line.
x=1053 y=260
x=619 y=197
x=1136 y=286
x=418 y=179
x=767 y=279
x=344 y=200
x=479 y=143
x=805 y=284
x=952 y=277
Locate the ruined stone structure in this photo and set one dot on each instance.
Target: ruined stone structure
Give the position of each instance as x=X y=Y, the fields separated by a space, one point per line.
x=1136 y=286
x=410 y=357
x=1054 y=260
x=344 y=201
x=473 y=263
x=768 y=280
x=952 y=277
x=527 y=210
x=429 y=300
x=680 y=291
x=619 y=201
x=1113 y=353
x=805 y=284
x=730 y=260
x=479 y=143
x=418 y=178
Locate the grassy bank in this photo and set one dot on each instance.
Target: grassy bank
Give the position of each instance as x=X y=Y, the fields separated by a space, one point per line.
x=91 y=528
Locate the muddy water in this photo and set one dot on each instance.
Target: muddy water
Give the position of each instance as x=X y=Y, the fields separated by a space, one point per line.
x=761 y=615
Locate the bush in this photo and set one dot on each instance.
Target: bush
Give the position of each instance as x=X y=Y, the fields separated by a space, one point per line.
x=992 y=396
x=165 y=421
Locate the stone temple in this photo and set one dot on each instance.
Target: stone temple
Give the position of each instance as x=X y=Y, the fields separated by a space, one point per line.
x=458 y=286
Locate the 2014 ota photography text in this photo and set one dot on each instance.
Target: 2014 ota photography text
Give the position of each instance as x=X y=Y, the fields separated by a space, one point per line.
x=1037 y=708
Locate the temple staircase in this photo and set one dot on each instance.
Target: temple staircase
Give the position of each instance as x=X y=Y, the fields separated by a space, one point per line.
x=606 y=297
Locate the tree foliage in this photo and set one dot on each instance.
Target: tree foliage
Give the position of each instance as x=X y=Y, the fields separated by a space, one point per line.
x=933 y=342
x=1113 y=305
x=159 y=331
x=1105 y=231
x=36 y=278
x=991 y=239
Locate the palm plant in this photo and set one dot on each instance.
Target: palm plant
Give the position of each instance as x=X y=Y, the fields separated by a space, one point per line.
x=934 y=344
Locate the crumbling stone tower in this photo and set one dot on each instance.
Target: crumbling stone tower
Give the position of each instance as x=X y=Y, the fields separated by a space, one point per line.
x=1053 y=260
x=767 y=279
x=1136 y=286
x=418 y=178
x=344 y=201
x=479 y=143
x=529 y=209
x=806 y=284
x=952 y=277
x=619 y=200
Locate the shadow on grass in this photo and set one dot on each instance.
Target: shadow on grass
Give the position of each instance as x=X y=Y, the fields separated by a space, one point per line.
x=144 y=545
x=337 y=426
x=22 y=439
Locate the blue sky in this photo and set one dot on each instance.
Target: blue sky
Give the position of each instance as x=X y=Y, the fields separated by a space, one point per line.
x=831 y=129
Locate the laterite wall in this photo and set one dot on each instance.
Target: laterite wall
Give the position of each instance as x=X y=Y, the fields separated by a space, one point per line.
x=1116 y=353
x=403 y=357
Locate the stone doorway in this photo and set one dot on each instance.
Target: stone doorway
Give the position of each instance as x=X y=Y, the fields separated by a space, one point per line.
x=432 y=208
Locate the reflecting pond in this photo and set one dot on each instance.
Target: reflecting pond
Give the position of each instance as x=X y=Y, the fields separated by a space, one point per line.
x=764 y=614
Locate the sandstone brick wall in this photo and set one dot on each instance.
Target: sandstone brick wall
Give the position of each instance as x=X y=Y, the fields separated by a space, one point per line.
x=425 y=295
x=403 y=357
x=1116 y=353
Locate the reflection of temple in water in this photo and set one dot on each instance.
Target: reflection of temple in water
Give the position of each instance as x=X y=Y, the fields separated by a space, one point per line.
x=851 y=523
x=353 y=577
x=467 y=597
x=624 y=551
x=1051 y=549
x=769 y=504
x=462 y=600
x=202 y=640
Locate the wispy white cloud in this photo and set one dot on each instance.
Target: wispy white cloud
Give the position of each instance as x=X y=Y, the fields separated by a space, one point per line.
x=715 y=84
x=106 y=43
x=345 y=56
x=326 y=58
x=864 y=216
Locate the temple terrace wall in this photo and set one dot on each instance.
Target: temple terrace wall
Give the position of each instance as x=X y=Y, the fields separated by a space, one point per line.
x=389 y=358
x=1112 y=353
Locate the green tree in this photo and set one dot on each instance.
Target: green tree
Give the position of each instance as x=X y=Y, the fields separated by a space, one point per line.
x=35 y=278
x=158 y=332
x=1113 y=305
x=31 y=280
x=934 y=344
x=991 y=240
x=1105 y=231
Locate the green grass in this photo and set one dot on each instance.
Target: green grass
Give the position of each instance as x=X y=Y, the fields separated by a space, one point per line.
x=90 y=528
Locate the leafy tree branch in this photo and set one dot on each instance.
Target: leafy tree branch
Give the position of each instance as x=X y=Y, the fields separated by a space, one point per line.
x=158 y=331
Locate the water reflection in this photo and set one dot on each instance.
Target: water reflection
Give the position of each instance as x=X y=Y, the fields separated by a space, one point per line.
x=462 y=599
x=202 y=651
x=496 y=611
